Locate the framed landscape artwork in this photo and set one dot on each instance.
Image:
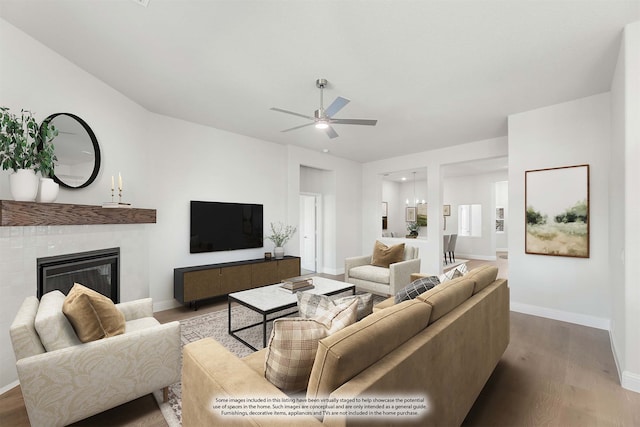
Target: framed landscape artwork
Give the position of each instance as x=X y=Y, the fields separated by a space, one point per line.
x=410 y=214
x=557 y=211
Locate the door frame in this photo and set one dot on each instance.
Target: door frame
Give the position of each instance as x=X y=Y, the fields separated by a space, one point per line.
x=319 y=261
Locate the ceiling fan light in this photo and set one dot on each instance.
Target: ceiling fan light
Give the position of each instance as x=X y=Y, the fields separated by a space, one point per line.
x=322 y=124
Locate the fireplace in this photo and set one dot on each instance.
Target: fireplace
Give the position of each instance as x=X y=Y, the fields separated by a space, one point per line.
x=98 y=270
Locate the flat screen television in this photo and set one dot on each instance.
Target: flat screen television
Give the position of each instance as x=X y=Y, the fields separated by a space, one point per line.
x=219 y=226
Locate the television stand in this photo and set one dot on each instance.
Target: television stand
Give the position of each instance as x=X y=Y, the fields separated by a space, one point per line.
x=192 y=284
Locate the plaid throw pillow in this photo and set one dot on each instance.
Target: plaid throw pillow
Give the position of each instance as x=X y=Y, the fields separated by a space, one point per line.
x=311 y=305
x=416 y=288
x=294 y=342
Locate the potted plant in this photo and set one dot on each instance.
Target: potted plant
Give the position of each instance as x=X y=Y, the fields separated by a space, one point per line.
x=280 y=234
x=26 y=149
x=414 y=228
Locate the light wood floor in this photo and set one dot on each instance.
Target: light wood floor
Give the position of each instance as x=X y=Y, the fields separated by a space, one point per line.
x=553 y=374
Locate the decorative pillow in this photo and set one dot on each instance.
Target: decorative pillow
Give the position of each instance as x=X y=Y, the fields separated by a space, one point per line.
x=416 y=288
x=311 y=305
x=365 y=304
x=93 y=315
x=459 y=271
x=52 y=326
x=293 y=344
x=384 y=255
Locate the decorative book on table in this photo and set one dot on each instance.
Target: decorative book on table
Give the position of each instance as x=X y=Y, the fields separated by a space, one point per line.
x=295 y=284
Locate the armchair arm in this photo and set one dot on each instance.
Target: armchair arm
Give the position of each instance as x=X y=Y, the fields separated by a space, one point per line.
x=210 y=371
x=63 y=386
x=400 y=274
x=136 y=309
x=349 y=263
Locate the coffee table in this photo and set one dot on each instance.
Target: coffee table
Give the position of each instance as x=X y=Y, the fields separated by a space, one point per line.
x=271 y=299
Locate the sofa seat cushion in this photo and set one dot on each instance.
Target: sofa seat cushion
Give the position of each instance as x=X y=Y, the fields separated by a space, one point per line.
x=482 y=276
x=140 y=324
x=92 y=315
x=350 y=351
x=54 y=329
x=370 y=273
x=293 y=343
x=256 y=360
x=446 y=297
x=384 y=255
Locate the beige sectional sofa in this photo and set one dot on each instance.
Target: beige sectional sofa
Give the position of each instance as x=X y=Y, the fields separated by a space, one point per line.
x=442 y=346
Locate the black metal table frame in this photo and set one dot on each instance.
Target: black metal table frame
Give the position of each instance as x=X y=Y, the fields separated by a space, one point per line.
x=264 y=314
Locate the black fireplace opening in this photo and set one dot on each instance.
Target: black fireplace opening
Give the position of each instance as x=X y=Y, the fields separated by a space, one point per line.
x=98 y=270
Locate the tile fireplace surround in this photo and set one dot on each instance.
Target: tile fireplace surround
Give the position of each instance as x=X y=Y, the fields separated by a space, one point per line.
x=21 y=246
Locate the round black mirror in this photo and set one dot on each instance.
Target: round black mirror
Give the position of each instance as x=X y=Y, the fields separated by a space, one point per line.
x=77 y=150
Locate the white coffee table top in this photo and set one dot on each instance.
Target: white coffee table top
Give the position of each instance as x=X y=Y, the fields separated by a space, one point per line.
x=273 y=297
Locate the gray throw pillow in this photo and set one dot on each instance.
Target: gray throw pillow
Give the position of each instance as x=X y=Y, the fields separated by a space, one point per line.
x=416 y=288
x=365 y=304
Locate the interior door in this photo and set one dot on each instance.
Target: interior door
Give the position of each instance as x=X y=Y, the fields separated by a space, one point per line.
x=308 y=232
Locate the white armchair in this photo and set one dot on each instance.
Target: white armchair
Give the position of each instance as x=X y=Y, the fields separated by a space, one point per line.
x=380 y=280
x=72 y=383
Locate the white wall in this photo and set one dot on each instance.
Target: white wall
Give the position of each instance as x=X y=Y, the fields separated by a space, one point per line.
x=468 y=190
x=572 y=133
x=624 y=224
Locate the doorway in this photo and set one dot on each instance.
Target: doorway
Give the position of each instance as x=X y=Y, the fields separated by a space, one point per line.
x=309 y=240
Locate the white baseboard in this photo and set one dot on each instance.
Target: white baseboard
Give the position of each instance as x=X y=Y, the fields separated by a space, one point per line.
x=165 y=305
x=615 y=353
x=563 y=316
x=9 y=386
x=480 y=257
x=631 y=381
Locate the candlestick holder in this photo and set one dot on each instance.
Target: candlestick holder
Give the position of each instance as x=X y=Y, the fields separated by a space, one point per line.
x=111 y=195
x=120 y=195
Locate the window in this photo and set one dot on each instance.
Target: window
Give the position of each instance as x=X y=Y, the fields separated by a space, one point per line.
x=470 y=220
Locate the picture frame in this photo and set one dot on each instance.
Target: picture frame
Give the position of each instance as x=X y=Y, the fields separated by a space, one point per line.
x=410 y=214
x=421 y=214
x=446 y=210
x=557 y=219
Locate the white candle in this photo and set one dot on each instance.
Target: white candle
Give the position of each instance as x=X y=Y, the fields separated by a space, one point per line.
x=112 y=185
x=119 y=181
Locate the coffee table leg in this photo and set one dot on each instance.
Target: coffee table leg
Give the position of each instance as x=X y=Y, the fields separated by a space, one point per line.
x=229 y=311
x=264 y=331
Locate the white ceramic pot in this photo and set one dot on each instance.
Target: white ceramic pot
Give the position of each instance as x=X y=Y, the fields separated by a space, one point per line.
x=278 y=252
x=24 y=185
x=48 y=191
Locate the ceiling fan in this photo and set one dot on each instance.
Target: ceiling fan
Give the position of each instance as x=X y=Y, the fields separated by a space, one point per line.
x=323 y=118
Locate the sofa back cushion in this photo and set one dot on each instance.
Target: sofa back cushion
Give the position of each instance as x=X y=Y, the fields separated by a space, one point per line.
x=482 y=276
x=350 y=351
x=54 y=329
x=24 y=338
x=447 y=296
x=384 y=255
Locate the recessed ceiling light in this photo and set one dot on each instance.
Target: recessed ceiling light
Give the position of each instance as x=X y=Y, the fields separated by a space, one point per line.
x=404 y=178
x=325 y=150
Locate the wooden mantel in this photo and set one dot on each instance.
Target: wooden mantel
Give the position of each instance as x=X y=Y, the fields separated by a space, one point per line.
x=23 y=214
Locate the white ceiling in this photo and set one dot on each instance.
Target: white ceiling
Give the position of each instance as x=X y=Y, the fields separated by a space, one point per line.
x=434 y=73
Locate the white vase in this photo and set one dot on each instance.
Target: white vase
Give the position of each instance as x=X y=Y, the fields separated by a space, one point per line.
x=278 y=252
x=48 y=191
x=24 y=185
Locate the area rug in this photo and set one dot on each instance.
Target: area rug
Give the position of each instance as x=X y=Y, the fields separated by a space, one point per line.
x=215 y=325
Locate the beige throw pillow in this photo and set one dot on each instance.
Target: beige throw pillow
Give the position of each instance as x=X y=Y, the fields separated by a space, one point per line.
x=294 y=341
x=384 y=255
x=92 y=315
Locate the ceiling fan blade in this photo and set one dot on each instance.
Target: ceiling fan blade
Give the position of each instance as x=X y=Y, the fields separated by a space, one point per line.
x=298 y=127
x=365 y=122
x=291 y=112
x=331 y=132
x=336 y=106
